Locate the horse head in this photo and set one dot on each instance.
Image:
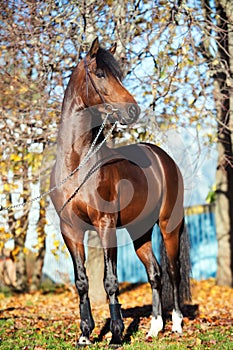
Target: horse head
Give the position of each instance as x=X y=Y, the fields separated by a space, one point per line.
x=98 y=83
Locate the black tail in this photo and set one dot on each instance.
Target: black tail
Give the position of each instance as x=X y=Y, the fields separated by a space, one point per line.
x=185 y=270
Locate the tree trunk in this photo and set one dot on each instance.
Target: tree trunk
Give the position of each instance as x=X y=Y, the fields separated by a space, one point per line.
x=95 y=268
x=41 y=239
x=18 y=255
x=224 y=224
x=224 y=175
x=18 y=229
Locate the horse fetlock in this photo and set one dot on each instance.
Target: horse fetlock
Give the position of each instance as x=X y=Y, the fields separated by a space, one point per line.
x=177 y=320
x=117 y=328
x=156 y=282
x=85 y=328
x=156 y=326
x=87 y=322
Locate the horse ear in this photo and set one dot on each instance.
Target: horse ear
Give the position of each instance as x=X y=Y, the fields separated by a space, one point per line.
x=112 y=49
x=94 y=48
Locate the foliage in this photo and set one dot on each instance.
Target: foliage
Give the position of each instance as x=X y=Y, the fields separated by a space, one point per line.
x=51 y=321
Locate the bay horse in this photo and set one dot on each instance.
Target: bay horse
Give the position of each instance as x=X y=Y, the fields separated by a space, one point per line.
x=100 y=188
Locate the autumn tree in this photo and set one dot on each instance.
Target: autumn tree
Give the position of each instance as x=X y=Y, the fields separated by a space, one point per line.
x=219 y=27
x=165 y=50
x=38 y=52
x=25 y=115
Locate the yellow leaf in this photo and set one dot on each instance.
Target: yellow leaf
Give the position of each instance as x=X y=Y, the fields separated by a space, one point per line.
x=15 y=157
x=28 y=157
x=41 y=239
x=7 y=187
x=2 y=296
x=18 y=231
x=25 y=250
x=18 y=223
x=56 y=243
x=15 y=252
x=23 y=89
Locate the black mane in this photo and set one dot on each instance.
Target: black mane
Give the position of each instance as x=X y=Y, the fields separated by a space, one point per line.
x=106 y=62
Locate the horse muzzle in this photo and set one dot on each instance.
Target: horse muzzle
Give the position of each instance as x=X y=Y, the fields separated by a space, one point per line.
x=129 y=113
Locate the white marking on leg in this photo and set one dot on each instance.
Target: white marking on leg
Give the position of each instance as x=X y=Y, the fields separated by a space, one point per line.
x=156 y=326
x=84 y=341
x=177 y=318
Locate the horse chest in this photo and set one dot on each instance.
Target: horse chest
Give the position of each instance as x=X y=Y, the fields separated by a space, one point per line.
x=96 y=194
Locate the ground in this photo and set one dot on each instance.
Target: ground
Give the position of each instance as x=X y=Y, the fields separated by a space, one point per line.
x=50 y=320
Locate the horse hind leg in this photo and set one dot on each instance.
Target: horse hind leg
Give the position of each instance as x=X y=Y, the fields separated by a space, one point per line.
x=143 y=248
x=171 y=243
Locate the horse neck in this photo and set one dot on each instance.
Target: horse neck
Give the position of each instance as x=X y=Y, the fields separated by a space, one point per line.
x=78 y=124
x=77 y=128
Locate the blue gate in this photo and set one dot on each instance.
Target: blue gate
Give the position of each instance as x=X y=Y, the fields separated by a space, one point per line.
x=203 y=243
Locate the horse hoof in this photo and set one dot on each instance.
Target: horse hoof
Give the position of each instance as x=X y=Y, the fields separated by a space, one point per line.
x=156 y=327
x=115 y=342
x=177 y=319
x=83 y=341
x=115 y=346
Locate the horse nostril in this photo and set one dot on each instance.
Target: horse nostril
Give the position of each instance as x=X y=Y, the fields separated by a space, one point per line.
x=134 y=111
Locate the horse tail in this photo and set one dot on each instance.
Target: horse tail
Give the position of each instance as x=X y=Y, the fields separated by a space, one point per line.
x=185 y=270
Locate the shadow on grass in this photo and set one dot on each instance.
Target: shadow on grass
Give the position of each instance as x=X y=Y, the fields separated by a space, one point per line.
x=188 y=310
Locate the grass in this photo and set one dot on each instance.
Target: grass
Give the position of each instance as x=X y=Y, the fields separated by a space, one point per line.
x=57 y=336
x=34 y=338
x=48 y=320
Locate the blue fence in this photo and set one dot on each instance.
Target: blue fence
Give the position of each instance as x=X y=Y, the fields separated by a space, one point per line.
x=203 y=254
x=204 y=246
x=201 y=228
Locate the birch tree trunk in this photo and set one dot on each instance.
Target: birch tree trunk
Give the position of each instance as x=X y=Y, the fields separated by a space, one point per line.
x=18 y=255
x=41 y=239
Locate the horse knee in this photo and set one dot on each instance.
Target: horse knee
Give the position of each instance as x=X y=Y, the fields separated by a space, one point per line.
x=155 y=282
x=81 y=283
x=174 y=271
x=111 y=285
x=154 y=275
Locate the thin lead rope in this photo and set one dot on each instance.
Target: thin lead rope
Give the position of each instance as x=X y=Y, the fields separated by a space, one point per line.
x=90 y=172
x=83 y=162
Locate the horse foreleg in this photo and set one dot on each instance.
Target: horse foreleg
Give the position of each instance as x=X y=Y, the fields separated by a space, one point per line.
x=143 y=248
x=111 y=288
x=77 y=252
x=109 y=242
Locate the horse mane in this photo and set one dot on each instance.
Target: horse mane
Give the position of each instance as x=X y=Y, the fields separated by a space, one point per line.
x=96 y=123
x=106 y=62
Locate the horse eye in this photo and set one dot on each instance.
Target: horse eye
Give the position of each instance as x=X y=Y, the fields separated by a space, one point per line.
x=100 y=73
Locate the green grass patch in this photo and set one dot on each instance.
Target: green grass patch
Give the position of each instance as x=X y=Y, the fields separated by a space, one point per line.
x=17 y=334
